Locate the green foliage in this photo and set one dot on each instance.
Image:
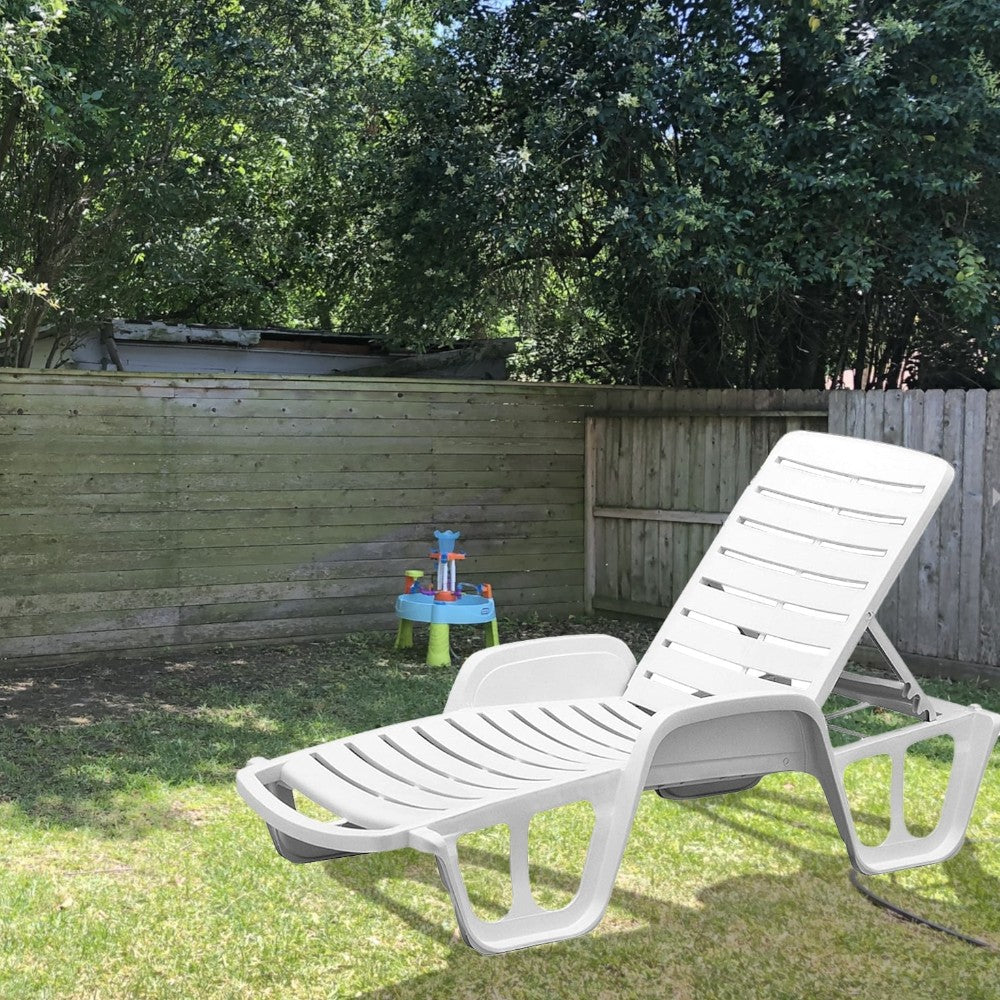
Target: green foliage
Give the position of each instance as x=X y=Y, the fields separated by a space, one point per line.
x=750 y=196
x=702 y=194
x=176 y=159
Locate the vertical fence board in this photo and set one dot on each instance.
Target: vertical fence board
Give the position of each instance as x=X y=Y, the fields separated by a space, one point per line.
x=971 y=543
x=949 y=564
x=929 y=548
x=989 y=620
x=663 y=563
x=892 y=433
x=679 y=498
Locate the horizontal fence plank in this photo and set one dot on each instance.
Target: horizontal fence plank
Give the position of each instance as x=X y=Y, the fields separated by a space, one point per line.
x=224 y=529
x=79 y=447
x=243 y=553
x=196 y=508
x=177 y=650
x=254 y=385
x=15 y=647
x=44 y=410
x=408 y=542
x=23 y=431
x=183 y=607
x=182 y=465
x=81 y=485
x=282 y=582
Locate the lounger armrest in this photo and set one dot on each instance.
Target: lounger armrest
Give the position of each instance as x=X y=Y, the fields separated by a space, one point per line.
x=576 y=666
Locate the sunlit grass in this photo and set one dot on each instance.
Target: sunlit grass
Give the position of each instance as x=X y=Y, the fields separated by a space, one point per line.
x=132 y=869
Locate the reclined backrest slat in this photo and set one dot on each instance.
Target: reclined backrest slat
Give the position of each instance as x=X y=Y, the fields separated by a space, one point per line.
x=787 y=587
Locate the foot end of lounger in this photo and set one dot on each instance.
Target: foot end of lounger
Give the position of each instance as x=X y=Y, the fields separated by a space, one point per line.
x=974 y=732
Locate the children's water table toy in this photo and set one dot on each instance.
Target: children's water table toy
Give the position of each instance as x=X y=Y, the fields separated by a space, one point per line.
x=447 y=603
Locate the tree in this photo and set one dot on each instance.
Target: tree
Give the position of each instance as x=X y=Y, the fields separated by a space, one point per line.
x=697 y=193
x=169 y=159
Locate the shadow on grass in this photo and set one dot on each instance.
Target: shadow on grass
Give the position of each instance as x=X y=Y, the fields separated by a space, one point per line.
x=796 y=931
x=101 y=748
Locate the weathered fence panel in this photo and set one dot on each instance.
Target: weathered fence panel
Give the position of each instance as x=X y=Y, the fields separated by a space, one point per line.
x=946 y=605
x=662 y=475
x=660 y=483
x=142 y=513
x=145 y=513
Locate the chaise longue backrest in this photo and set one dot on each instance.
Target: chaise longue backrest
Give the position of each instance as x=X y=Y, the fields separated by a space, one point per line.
x=795 y=574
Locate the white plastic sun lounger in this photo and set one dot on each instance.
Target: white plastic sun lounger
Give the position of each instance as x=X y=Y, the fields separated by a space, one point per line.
x=729 y=690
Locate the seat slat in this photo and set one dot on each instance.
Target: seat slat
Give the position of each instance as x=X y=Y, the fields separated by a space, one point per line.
x=871 y=460
x=573 y=719
x=778 y=586
x=762 y=618
x=422 y=750
x=510 y=722
x=669 y=662
x=601 y=717
x=309 y=777
x=352 y=768
x=799 y=555
x=465 y=747
x=535 y=717
x=476 y=725
x=838 y=492
x=657 y=696
x=618 y=706
x=381 y=755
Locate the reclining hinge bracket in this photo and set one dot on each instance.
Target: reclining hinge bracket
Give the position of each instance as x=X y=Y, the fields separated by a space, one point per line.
x=904 y=695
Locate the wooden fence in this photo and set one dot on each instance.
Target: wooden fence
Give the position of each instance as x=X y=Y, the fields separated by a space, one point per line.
x=141 y=513
x=658 y=486
x=661 y=477
x=946 y=605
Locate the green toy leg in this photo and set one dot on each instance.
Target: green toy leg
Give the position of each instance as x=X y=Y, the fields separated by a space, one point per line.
x=438 y=650
x=404 y=637
x=491 y=635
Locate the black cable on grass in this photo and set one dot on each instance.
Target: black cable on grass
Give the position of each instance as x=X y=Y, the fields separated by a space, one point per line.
x=915 y=918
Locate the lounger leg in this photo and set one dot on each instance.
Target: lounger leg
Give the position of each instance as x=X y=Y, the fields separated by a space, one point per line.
x=526 y=923
x=974 y=733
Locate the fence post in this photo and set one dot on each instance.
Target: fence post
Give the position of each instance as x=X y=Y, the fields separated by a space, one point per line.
x=589 y=522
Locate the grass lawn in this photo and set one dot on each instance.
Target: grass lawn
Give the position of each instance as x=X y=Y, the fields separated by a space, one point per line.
x=133 y=869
